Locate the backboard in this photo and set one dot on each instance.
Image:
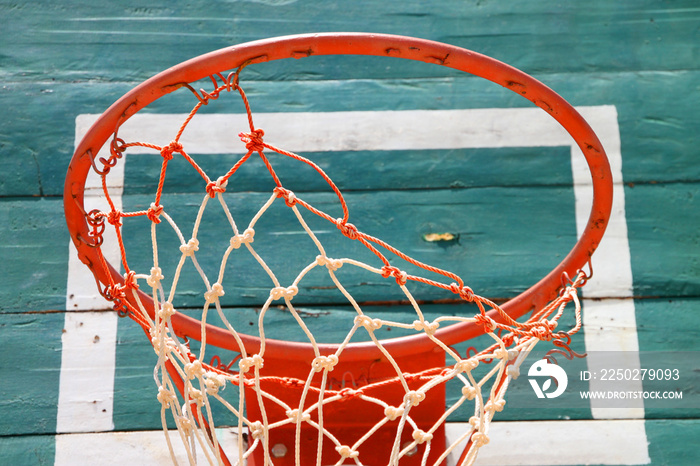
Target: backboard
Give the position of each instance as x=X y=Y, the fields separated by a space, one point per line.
x=492 y=191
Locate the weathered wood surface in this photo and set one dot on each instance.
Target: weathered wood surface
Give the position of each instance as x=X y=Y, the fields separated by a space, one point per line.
x=62 y=59
x=126 y=41
x=658 y=134
x=664 y=250
x=669 y=440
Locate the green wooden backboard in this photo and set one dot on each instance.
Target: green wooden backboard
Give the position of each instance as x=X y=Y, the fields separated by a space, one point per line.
x=417 y=149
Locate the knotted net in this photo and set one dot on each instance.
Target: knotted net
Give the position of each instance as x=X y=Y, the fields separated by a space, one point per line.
x=300 y=415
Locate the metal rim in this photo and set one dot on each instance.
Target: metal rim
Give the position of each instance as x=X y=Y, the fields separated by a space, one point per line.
x=300 y=46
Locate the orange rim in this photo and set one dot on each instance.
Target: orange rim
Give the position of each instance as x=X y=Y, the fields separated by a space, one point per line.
x=301 y=46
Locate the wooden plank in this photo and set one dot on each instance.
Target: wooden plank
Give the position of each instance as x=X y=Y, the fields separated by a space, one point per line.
x=64 y=59
x=670 y=443
x=31 y=345
x=563 y=443
x=656 y=148
x=668 y=336
x=109 y=41
x=135 y=407
x=38 y=450
x=486 y=245
x=673 y=441
x=666 y=257
x=34 y=256
x=34 y=339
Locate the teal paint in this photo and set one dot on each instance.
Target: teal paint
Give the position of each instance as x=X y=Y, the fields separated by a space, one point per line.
x=365 y=170
x=67 y=58
x=33 y=247
x=495 y=227
x=668 y=336
x=108 y=41
x=30 y=344
x=669 y=440
x=673 y=442
x=664 y=238
x=657 y=134
x=135 y=390
x=28 y=450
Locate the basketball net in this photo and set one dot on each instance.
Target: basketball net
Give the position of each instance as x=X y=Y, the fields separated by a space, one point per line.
x=299 y=416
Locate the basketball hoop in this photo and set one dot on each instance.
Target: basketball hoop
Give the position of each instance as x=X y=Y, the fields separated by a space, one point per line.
x=287 y=410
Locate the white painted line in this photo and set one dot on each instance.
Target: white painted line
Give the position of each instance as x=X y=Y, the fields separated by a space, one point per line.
x=128 y=448
x=610 y=325
x=352 y=131
x=611 y=342
x=511 y=444
x=612 y=267
x=86 y=384
x=557 y=443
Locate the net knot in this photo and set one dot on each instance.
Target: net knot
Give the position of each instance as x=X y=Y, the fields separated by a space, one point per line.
x=346 y=452
x=348 y=229
x=324 y=363
x=298 y=416
x=253 y=140
x=332 y=264
x=168 y=344
x=501 y=354
x=392 y=412
x=513 y=372
x=130 y=281
x=154 y=212
x=289 y=197
x=466 y=365
x=167 y=151
x=190 y=248
x=166 y=310
x=115 y=293
x=414 y=398
x=492 y=406
x=348 y=393
x=290 y=382
x=479 y=439
x=115 y=218
x=253 y=361
x=368 y=323
x=543 y=330
x=166 y=397
x=282 y=292
x=508 y=339
x=399 y=275
x=421 y=437
x=247 y=237
x=257 y=430
x=469 y=392
x=196 y=396
x=185 y=424
x=488 y=323
x=156 y=276
x=215 y=293
x=213 y=382
x=218 y=186
x=194 y=369
x=427 y=327
x=464 y=292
